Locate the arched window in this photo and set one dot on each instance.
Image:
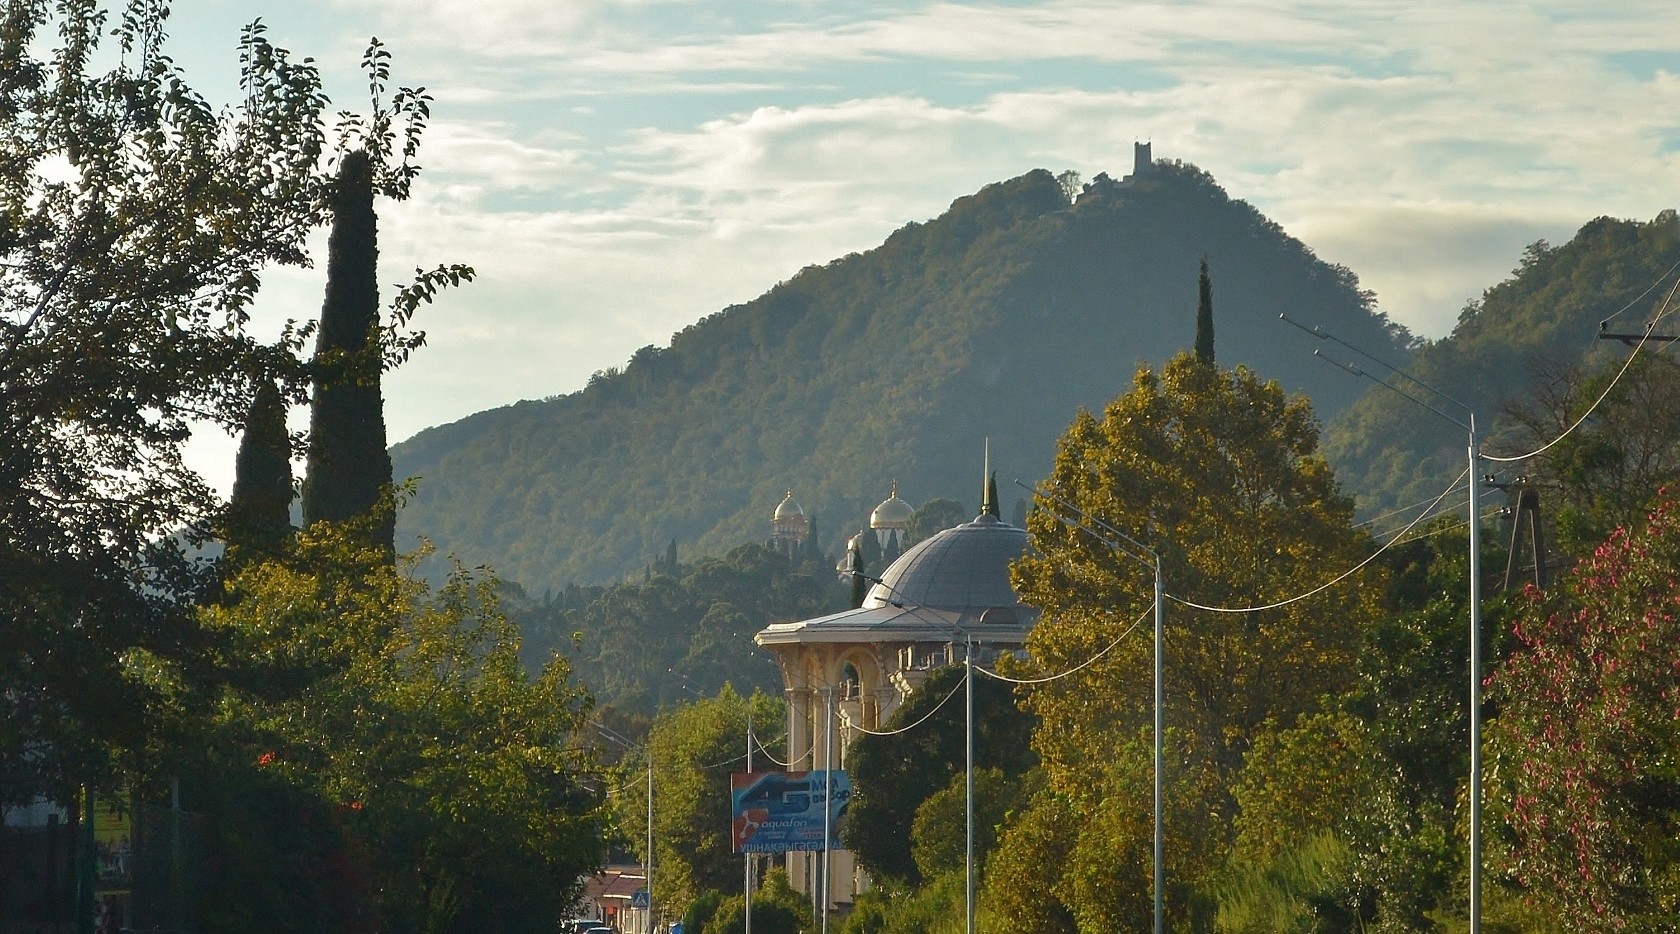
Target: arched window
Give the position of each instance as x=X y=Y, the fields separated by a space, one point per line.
x=851 y=683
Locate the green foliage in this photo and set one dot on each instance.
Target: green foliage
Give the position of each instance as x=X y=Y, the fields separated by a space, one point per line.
x=1606 y=471
x=776 y=909
x=1011 y=305
x=646 y=644
x=1218 y=470
x=1321 y=776
x=893 y=775
x=1301 y=890
x=135 y=221
x=935 y=516
x=695 y=746
x=259 y=519
x=1585 y=779
x=348 y=466
x=1509 y=345
x=1204 y=315
x=388 y=734
x=938 y=907
x=1024 y=872
x=938 y=834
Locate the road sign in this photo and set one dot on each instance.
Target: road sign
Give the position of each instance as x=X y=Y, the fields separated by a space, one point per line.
x=639 y=899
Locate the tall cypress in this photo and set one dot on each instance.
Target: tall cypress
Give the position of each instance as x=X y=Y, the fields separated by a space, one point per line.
x=260 y=513
x=1204 y=317
x=348 y=465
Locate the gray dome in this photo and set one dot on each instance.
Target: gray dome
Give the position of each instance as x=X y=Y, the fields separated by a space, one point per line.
x=965 y=568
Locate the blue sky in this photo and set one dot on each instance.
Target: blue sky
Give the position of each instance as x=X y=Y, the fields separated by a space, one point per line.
x=617 y=169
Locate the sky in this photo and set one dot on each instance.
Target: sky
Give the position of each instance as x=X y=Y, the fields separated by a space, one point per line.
x=616 y=170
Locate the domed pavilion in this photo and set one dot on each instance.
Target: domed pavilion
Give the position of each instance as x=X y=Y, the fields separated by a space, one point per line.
x=852 y=669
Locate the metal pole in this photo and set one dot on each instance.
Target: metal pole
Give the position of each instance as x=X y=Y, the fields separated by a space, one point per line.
x=1475 y=596
x=1476 y=684
x=1160 y=731
x=968 y=769
x=828 y=790
x=747 y=889
x=647 y=870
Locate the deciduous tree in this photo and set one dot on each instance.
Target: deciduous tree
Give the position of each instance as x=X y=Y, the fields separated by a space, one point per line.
x=402 y=722
x=136 y=220
x=1218 y=471
x=695 y=746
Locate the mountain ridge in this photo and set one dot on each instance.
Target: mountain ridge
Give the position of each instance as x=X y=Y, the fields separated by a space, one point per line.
x=998 y=319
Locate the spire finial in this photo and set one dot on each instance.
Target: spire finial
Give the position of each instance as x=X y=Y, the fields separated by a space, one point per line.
x=988 y=499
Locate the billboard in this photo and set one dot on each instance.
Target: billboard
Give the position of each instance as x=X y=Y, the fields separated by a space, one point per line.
x=775 y=812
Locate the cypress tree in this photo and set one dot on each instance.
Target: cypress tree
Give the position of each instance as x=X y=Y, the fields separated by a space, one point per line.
x=260 y=513
x=856 y=568
x=348 y=465
x=1204 y=317
x=813 y=542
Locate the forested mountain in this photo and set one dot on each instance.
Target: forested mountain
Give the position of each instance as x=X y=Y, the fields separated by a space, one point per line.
x=995 y=320
x=1520 y=343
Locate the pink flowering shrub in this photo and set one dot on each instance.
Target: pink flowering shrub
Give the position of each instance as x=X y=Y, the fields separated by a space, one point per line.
x=1585 y=738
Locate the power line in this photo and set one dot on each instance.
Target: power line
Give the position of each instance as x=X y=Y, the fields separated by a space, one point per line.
x=1085 y=664
x=847 y=720
x=1327 y=584
x=1626 y=364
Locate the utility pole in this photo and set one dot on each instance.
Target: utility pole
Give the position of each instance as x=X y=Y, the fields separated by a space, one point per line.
x=1469 y=425
x=747 y=890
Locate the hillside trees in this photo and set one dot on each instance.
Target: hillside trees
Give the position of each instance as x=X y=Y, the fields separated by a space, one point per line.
x=1511 y=343
x=880 y=365
x=135 y=222
x=1607 y=469
x=1219 y=471
x=697 y=619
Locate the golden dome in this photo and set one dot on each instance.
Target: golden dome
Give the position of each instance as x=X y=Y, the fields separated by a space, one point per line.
x=894 y=513
x=788 y=509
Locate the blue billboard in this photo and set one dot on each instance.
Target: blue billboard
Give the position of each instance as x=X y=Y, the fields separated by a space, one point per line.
x=778 y=812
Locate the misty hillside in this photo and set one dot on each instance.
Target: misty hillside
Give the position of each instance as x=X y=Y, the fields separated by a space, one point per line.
x=1518 y=336
x=996 y=320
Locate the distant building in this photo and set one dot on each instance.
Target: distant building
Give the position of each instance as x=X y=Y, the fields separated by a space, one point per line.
x=847 y=672
x=891 y=524
x=1143 y=161
x=789 y=529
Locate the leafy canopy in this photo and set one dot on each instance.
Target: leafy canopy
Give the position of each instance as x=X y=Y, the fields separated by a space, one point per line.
x=1218 y=471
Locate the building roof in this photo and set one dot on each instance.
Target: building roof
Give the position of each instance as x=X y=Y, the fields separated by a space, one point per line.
x=893 y=513
x=955 y=581
x=788 y=508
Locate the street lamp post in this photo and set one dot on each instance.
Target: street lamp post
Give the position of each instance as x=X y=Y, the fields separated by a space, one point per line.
x=746 y=892
x=1469 y=425
x=1124 y=544
x=647 y=865
x=968 y=750
x=968 y=770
